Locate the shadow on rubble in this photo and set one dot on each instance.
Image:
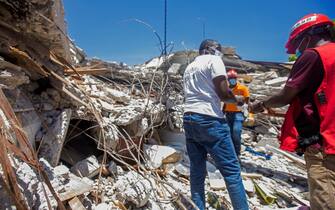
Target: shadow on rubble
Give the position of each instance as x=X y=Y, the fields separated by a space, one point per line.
x=80 y=142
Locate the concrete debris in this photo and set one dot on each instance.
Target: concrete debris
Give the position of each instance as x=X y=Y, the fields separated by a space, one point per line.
x=117 y=96
x=134 y=189
x=86 y=168
x=158 y=155
x=249 y=187
x=52 y=143
x=89 y=114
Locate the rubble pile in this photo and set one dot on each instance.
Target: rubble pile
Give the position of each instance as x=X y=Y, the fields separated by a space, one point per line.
x=79 y=133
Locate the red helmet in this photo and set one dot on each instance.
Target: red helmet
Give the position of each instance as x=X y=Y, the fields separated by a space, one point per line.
x=232 y=73
x=305 y=23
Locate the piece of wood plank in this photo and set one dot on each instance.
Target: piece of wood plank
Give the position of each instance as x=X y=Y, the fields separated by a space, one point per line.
x=251 y=175
x=119 y=205
x=90 y=71
x=25 y=61
x=75 y=204
x=300 y=162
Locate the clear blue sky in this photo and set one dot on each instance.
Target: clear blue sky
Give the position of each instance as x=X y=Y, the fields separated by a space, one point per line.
x=257 y=28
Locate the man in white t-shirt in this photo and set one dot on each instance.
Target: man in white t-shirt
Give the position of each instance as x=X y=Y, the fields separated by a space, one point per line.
x=206 y=130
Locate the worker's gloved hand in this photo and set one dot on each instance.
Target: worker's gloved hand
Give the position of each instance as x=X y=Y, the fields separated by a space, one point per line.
x=245 y=110
x=256 y=107
x=240 y=100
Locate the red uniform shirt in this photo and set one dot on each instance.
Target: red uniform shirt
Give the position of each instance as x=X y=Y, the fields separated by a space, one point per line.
x=306 y=76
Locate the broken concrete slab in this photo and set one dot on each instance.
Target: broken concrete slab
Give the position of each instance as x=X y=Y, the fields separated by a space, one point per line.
x=75 y=187
x=52 y=143
x=134 y=189
x=88 y=167
x=117 y=95
x=158 y=155
x=249 y=187
x=25 y=112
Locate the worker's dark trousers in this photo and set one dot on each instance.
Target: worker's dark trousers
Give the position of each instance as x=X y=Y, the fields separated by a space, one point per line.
x=205 y=134
x=235 y=122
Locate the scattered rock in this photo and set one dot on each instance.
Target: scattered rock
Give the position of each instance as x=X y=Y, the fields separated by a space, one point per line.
x=87 y=168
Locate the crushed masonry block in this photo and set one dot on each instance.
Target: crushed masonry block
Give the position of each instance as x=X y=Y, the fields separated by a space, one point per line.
x=134 y=189
x=52 y=143
x=66 y=184
x=88 y=167
x=158 y=155
x=109 y=133
x=75 y=187
x=32 y=188
x=61 y=170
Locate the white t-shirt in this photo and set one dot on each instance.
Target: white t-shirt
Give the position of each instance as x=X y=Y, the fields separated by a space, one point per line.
x=200 y=95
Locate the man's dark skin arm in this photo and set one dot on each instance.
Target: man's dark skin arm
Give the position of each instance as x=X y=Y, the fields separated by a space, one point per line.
x=247 y=100
x=222 y=89
x=284 y=97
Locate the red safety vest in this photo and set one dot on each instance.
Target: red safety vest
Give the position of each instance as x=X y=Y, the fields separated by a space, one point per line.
x=324 y=99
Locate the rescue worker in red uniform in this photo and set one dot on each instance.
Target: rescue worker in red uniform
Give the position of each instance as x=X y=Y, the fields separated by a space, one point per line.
x=309 y=126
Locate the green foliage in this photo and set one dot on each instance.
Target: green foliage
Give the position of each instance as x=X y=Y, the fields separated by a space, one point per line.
x=292 y=57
